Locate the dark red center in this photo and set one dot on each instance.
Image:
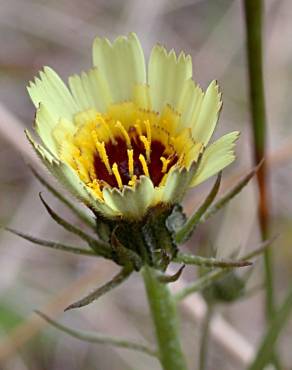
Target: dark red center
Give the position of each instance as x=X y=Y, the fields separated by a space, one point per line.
x=117 y=153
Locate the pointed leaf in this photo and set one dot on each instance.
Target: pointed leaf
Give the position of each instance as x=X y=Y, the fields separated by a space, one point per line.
x=213 y=276
x=92 y=337
x=52 y=244
x=78 y=212
x=190 y=259
x=99 y=247
x=171 y=278
x=189 y=227
x=116 y=280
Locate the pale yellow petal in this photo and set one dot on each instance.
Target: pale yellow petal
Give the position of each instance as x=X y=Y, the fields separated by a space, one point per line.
x=216 y=157
x=44 y=126
x=122 y=63
x=167 y=74
x=69 y=179
x=189 y=103
x=132 y=203
x=141 y=96
x=91 y=90
x=205 y=121
x=51 y=91
x=177 y=184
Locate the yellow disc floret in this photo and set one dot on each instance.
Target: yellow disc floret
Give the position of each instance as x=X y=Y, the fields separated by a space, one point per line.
x=116 y=148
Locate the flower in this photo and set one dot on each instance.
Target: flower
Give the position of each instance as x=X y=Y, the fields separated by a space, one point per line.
x=123 y=140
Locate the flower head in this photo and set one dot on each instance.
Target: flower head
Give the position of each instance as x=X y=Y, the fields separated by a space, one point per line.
x=123 y=140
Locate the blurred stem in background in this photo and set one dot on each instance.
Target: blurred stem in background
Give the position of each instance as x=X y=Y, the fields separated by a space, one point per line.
x=204 y=344
x=254 y=21
x=253 y=18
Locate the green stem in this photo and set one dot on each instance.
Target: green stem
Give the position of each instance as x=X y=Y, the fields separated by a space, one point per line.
x=164 y=315
x=253 y=17
x=205 y=339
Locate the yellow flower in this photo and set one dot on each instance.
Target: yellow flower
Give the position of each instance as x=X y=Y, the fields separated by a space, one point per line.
x=123 y=140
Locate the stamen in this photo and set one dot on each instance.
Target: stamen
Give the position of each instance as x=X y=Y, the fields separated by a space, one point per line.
x=108 y=130
x=181 y=159
x=133 y=180
x=144 y=164
x=131 y=162
x=85 y=169
x=82 y=172
x=110 y=152
x=124 y=133
x=138 y=127
x=148 y=130
x=165 y=163
x=117 y=175
x=146 y=143
x=103 y=155
x=96 y=187
x=163 y=180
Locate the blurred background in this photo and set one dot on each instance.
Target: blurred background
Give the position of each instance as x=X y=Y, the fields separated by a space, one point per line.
x=60 y=34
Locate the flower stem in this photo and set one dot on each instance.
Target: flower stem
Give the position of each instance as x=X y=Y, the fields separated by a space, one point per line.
x=253 y=17
x=164 y=315
x=205 y=338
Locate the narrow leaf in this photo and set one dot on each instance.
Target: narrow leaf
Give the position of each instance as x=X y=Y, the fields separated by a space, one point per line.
x=92 y=337
x=278 y=322
x=230 y=194
x=52 y=244
x=211 y=277
x=99 y=247
x=189 y=259
x=189 y=227
x=116 y=280
x=78 y=212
